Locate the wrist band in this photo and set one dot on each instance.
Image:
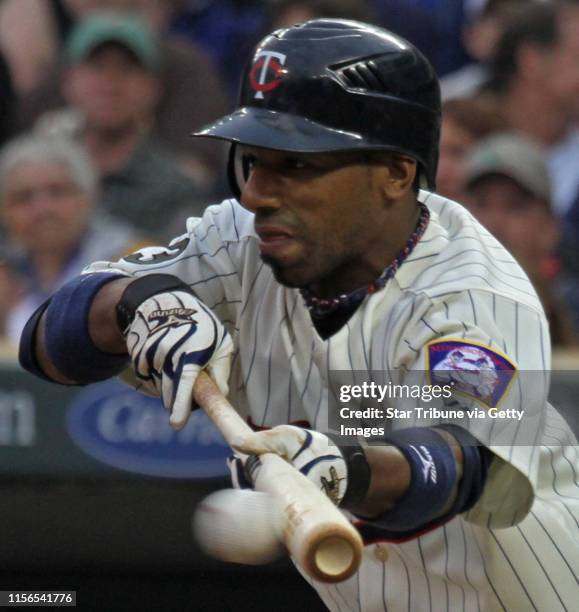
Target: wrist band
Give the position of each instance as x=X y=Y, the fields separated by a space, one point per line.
x=141 y=289
x=433 y=477
x=476 y=460
x=27 y=346
x=359 y=473
x=67 y=337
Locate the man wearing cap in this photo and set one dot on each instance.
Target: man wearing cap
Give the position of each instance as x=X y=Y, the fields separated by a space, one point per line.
x=509 y=192
x=330 y=259
x=112 y=86
x=534 y=83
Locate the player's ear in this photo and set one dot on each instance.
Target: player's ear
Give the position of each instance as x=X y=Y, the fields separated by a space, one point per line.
x=400 y=175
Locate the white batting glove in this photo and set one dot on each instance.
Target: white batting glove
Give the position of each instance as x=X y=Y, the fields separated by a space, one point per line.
x=310 y=452
x=173 y=337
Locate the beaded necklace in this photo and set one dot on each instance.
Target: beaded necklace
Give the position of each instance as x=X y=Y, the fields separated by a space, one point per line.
x=322 y=307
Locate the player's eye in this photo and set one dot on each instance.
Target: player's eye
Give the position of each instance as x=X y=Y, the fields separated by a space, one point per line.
x=249 y=161
x=280 y=163
x=294 y=163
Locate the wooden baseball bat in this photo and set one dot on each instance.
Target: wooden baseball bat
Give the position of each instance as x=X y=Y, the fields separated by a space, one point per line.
x=317 y=535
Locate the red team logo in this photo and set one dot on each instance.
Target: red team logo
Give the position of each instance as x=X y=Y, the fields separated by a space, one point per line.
x=267 y=72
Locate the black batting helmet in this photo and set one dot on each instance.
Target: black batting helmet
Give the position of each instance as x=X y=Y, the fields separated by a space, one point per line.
x=336 y=85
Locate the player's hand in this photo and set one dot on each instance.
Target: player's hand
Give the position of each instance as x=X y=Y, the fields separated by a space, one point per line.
x=171 y=339
x=310 y=452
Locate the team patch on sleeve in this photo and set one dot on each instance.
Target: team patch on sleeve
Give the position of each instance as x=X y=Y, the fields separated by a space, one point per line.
x=472 y=369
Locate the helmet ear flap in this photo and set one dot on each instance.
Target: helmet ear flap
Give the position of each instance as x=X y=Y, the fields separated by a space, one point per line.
x=232 y=173
x=237 y=170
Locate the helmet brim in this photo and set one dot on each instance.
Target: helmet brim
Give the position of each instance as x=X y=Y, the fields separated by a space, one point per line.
x=268 y=129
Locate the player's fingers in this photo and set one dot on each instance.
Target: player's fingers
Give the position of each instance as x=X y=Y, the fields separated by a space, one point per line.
x=167 y=387
x=183 y=403
x=219 y=370
x=283 y=440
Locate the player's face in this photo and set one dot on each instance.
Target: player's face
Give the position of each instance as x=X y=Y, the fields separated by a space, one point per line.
x=321 y=218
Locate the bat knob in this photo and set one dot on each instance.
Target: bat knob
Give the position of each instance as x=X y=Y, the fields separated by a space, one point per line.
x=336 y=557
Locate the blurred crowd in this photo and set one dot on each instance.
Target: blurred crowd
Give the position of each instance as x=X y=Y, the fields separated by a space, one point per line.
x=100 y=98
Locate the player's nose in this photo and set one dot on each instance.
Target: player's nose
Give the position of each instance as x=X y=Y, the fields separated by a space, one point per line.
x=261 y=189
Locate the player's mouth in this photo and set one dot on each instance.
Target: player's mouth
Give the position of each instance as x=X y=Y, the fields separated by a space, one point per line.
x=274 y=241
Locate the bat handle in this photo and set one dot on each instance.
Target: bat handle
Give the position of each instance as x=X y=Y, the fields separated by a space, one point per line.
x=207 y=395
x=317 y=535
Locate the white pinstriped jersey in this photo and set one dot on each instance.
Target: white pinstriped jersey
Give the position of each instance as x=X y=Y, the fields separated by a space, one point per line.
x=517 y=549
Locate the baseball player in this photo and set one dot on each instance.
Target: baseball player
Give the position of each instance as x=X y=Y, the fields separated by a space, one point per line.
x=331 y=259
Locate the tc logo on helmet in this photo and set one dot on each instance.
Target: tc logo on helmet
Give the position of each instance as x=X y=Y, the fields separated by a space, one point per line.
x=268 y=64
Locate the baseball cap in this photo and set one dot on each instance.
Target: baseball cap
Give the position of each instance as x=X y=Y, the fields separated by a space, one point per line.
x=514 y=156
x=130 y=32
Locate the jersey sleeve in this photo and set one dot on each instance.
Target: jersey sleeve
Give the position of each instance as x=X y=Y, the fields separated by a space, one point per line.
x=492 y=355
x=210 y=257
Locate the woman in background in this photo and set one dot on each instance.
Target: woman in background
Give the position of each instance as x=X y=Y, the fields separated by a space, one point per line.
x=48 y=192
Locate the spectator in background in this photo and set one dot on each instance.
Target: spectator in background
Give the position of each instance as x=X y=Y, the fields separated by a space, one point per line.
x=9 y=286
x=7 y=102
x=26 y=41
x=569 y=256
x=480 y=35
x=284 y=13
x=535 y=84
x=431 y=25
x=11 y=291
x=112 y=87
x=509 y=192
x=52 y=230
x=226 y=29
x=464 y=122
x=33 y=33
